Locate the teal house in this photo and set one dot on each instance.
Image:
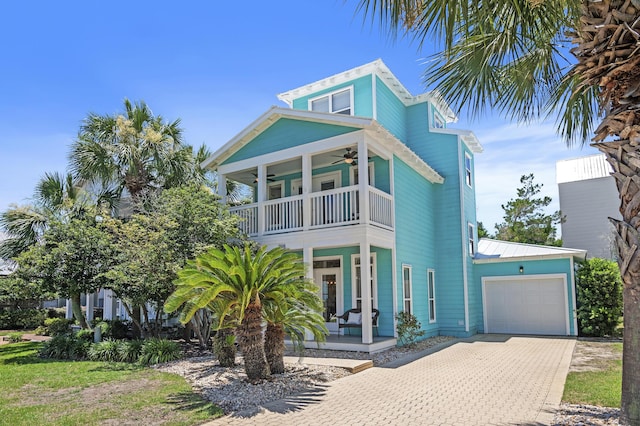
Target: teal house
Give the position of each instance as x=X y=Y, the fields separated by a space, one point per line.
x=374 y=190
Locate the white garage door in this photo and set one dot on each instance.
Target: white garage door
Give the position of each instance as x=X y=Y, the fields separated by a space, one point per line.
x=525 y=305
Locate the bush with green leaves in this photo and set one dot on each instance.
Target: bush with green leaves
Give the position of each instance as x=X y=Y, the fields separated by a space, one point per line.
x=113 y=329
x=130 y=350
x=108 y=350
x=65 y=346
x=14 y=337
x=21 y=318
x=85 y=335
x=57 y=326
x=156 y=351
x=409 y=328
x=599 y=297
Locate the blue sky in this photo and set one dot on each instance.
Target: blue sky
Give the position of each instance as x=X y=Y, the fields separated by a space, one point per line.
x=217 y=66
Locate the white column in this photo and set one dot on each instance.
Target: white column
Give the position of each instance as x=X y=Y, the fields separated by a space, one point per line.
x=262 y=196
x=307 y=257
x=363 y=182
x=222 y=188
x=69 y=312
x=307 y=171
x=365 y=283
x=90 y=304
x=108 y=308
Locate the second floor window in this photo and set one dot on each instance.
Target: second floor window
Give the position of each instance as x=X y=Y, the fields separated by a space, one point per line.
x=337 y=102
x=467 y=169
x=472 y=241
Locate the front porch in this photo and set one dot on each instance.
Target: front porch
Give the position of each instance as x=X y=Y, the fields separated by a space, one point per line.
x=351 y=343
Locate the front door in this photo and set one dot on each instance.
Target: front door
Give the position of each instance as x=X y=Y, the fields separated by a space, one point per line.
x=330 y=283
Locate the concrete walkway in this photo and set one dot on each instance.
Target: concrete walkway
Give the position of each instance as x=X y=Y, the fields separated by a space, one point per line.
x=483 y=380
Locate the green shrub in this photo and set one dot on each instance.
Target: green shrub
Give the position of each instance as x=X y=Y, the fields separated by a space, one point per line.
x=408 y=328
x=113 y=329
x=156 y=351
x=41 y=331
x=56 y=312
x=130 y=350
x=65 y=346
x=599 y=297
x=21 y=318
x=57 y=326
x=14 y=337
x=108 y=350
x=85 y=335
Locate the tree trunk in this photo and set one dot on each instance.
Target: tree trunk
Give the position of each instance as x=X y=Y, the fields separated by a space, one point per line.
x=201 y=322
x=251 y=343
x=274 y=347
x=608 y=58
x=76 y=308
x=224 y=347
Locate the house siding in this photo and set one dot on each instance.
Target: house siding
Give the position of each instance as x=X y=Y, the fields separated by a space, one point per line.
x=415 y=237
x=391 y=112
x=287 y=133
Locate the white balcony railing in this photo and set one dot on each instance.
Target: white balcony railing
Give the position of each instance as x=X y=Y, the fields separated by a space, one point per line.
x=330 y=208
x=335 y=207
x=284 y=214
x=249 y=215
x=380 y=208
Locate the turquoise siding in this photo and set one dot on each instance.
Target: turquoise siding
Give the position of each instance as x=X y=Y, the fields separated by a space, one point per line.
x=384 y=280
x=391 y=112
x=416 y=239
x=362 y=96
x=532 y=267
x=287 y=133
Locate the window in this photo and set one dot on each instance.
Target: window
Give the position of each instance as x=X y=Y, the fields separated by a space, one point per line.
x=406 y=288
x=467 y=169
x=438 y=121
x=354 y=175
x=472 y=241
x=357 y=290
x=337 y=102
x=431 y=290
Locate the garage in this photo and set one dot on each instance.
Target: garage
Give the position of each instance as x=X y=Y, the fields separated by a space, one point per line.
x=534 y=304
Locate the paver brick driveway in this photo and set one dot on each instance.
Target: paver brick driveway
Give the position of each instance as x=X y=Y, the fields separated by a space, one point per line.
x=483 y=380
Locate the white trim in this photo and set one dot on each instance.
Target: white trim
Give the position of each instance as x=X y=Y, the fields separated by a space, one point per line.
x=431 y=273
x=317 y=179
x=374 y=278
x=468 y=173
x=404 y=296
x=270 y=185
x=339 y=294
x=467 y=136
x=472 y=244
x=379 y=69
x=573 y=297
x=563 y=277
x=464 y=231
x=394 y=284
x=329 y=96
x=374 y=95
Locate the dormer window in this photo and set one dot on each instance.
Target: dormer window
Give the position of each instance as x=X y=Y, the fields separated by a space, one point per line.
x=438 y=121
x=338 y=102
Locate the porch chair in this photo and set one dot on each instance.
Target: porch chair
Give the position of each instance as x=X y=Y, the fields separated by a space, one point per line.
x=353 y=319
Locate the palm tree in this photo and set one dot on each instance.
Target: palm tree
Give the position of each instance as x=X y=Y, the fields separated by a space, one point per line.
x=137 y=152
x=237 y=283
x=511 y=55
x=55 y=196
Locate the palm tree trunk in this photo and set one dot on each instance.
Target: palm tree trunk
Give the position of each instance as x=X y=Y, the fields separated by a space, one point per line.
x=625 y=160
x=224 y=347
x=251 y=343
x=274 y=347
x=608 y=58
x=76 y=308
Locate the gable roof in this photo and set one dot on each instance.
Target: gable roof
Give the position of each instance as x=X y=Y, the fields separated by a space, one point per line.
x=379 y=69
x=274 y=114
x=499 y=251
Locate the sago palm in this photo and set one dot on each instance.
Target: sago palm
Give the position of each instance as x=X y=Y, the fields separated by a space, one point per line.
x=515 y=56
x=242 y=281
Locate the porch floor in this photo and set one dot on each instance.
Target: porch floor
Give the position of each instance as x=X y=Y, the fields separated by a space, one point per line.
x=352 y=343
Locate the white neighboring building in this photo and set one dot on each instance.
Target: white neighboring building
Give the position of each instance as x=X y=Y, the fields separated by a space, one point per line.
x=588 y=197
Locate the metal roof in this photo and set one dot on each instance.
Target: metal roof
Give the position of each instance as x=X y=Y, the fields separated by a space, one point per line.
x=583 y=168
x=495 y=251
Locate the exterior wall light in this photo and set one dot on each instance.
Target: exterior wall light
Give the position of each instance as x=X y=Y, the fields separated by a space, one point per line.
x=521 y=269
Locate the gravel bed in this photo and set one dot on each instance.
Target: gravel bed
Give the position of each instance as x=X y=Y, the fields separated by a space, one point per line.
x=586 y=415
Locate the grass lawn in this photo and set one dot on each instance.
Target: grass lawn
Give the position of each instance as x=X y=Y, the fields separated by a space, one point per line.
x=603 y=386
x=43 y=391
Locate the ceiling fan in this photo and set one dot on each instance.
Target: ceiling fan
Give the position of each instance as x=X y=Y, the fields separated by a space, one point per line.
x=348 y=157
x=269 y=176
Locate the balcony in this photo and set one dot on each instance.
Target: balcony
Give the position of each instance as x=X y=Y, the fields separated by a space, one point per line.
x=324 y=209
